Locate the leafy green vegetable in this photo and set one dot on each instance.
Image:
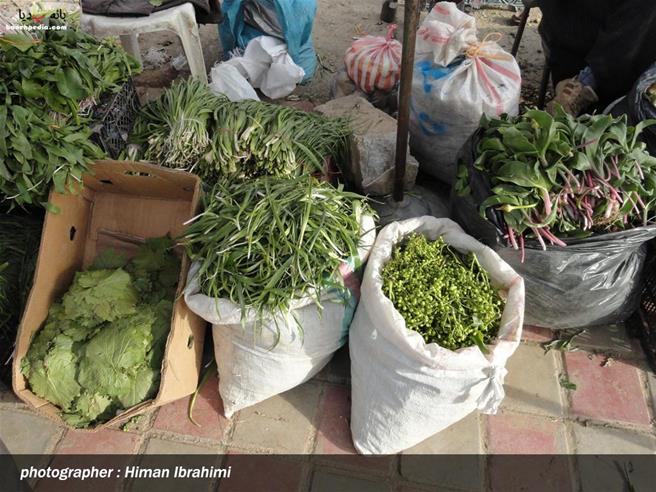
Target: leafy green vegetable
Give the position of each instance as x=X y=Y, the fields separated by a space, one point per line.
x=445 y=296
x=266 y=242
x=97 y=296
x=47 y=77
x=101 y=348
x=554 y=177
x=189 y=127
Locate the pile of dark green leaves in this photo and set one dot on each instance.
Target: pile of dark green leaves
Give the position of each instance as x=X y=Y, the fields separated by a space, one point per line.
x=268 y=241
x=191 y=128
x=47 y=78
x=555 y=177
x=441 y=294
x=100 y=350
x=19 y=246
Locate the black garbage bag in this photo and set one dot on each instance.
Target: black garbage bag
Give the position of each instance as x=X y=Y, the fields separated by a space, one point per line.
x=592 y=281
x=640 y=108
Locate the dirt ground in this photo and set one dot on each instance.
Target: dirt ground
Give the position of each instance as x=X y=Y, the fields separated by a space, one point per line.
x=337 y=24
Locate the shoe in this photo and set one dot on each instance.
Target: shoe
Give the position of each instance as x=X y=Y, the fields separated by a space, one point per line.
x=573 y=96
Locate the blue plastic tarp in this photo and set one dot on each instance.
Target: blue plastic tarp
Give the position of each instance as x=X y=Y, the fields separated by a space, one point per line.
x=296 y=18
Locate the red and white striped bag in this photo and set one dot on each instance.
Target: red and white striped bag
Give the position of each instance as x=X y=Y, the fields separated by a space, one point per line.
x=374 y=62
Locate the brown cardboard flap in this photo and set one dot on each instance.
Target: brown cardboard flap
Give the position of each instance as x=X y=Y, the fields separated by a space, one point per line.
x=143 y=180
x=121 y=205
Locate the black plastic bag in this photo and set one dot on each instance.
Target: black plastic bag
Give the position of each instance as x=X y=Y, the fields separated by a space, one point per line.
x=641 y=108
x=592 y=281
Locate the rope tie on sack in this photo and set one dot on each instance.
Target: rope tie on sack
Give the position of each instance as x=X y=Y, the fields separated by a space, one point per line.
x=481 y=49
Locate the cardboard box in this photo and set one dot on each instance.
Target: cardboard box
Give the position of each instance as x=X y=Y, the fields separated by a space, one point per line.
x=119 y=206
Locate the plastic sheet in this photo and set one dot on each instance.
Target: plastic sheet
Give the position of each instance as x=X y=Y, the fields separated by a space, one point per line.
x=295 y=18
x=641 y=108
x=592 y=281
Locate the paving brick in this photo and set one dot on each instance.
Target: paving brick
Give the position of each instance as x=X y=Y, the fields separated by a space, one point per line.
x=181 y=455
x=534 y=390
x=262 y=474
x=156 y=445
x=595 y=439
x=458 y=466
x=28 y=433
x=208 y=412
x=106 y=441
x=113 y=483
x=537 y=334
x=334 y=433
x=612 y=393
x=338 y=370
x=281 y=424
x=328 y=481
x=542 y=473
x=611 y=339
x=603 y=473
x=524 y=434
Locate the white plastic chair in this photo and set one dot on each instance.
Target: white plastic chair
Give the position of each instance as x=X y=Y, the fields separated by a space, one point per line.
x=180 y=19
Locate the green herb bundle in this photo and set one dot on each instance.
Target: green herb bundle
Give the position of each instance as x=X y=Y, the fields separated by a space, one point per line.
x=56 y=70
x=555 y=177
x=45 y=80
x=265 y=242
x=176 y=127
x=441 y=294
x=191 y=128
x=100 y=350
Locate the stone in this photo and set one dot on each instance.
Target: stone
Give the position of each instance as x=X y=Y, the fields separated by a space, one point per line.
x=623 y=467
x=325 y=481
x=164 y=446
x=373 y=147
x=606 y=390
x=511 y=433
x=460 y=466
x=536 y=390
x=208 y=413
x=282 y=424
x=105 y=441
x=27 y=433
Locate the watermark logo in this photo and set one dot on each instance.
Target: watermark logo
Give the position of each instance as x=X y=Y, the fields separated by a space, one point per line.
x=37 y=22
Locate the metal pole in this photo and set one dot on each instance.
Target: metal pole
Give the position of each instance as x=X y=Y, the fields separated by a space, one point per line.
x=410 y=21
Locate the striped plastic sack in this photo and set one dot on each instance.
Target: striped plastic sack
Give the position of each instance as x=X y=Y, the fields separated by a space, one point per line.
x=374 y=62
x=456 y=80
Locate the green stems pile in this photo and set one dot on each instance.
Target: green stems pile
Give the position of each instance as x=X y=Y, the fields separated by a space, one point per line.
x=176 y=126
x=191 y=128
x=555 y=177
x=268 y=241
x=441 y=294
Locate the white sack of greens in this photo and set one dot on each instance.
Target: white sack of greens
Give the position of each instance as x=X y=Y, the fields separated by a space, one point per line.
x=274 y=271
x=439 y=316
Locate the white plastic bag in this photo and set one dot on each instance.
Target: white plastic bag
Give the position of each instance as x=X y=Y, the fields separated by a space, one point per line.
x=456 y=80
x=404 y=390
x=374 y=62
x=228 y=80
x=252 y=366
x=268 y=67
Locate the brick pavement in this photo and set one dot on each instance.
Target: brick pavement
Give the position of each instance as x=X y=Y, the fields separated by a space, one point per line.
x=610 y=411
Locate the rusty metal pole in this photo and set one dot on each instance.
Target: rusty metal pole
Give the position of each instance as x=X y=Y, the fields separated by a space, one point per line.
x=410 y=22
